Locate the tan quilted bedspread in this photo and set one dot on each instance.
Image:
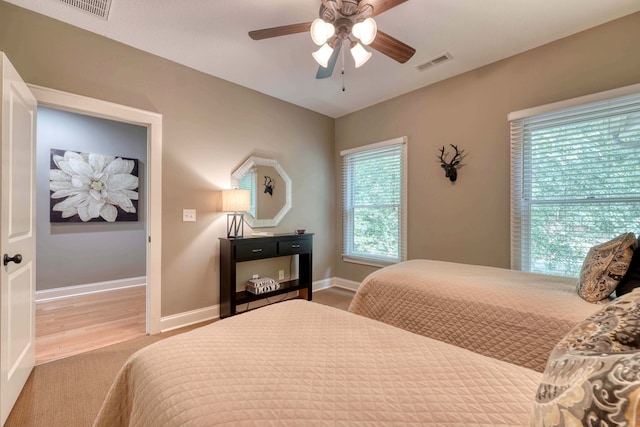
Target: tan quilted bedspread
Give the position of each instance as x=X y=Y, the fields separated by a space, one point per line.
x=510 y=315
x=301 y=363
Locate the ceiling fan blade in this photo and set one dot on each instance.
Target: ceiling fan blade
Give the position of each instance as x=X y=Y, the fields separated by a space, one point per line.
x=380 y=6
x=280 y=31
x=392 y=47
x=323 y=72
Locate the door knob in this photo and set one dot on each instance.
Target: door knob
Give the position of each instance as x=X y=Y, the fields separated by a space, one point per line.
x=7 y=259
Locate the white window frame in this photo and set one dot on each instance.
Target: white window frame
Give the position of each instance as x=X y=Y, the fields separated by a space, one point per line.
x=347 y=210
x=520 y=249
x=249 y=181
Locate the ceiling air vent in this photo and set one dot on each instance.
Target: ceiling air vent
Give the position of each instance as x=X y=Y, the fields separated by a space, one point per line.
x=435 y=61
x=99 y=8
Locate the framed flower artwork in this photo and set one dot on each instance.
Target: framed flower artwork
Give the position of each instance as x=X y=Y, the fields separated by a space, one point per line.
x=90 y=187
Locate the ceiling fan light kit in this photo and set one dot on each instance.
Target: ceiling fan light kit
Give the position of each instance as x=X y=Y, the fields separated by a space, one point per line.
x=341 y=21
x=360 y=55
x=365 y=31
x=323 y=54
x=321 y=31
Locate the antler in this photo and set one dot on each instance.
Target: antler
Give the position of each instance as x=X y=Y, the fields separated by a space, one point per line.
x=450 y=167
x=442 y=156
x=455 y=158
x=455 y=147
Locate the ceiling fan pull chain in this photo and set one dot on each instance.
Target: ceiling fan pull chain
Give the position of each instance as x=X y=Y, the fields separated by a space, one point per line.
x=342 y=54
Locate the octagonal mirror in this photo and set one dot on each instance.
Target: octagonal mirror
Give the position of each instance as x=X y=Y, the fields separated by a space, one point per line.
x=270 y=189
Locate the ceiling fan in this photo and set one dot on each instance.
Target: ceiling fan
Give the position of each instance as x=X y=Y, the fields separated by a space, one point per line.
x=343 y=21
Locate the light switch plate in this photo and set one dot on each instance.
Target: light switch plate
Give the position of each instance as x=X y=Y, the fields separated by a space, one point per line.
x=188 y=215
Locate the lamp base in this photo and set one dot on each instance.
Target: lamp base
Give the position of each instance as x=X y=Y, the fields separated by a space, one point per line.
x=235 y=225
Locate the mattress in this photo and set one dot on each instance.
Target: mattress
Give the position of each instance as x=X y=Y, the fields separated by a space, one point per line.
x=510 y=315
x=302 y=363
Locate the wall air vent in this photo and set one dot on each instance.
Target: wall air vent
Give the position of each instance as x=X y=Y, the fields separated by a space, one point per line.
x=99 y=8
x=435 y=61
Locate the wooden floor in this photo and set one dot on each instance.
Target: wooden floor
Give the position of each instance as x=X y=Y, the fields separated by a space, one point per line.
x=69 y=326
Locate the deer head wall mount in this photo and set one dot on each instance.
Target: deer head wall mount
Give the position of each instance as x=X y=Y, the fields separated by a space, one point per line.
x=450 y=170
x=268 y=185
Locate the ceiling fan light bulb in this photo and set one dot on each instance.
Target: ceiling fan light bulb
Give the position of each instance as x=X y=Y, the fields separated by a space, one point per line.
x=323 y=54
x=365 y=31
x=321 y=31
x=331 y=30
x=360 y=55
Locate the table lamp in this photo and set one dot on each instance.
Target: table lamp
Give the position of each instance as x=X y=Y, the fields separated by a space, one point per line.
x=236 y=201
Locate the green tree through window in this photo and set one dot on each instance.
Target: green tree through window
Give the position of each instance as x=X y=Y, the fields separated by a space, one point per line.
x=577 y=183
x=374 y=196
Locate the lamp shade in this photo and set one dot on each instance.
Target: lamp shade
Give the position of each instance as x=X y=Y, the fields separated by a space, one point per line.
x=365 y=31
x=360 y=55
x=321 y=31
x=323 y=54
x=236 y=200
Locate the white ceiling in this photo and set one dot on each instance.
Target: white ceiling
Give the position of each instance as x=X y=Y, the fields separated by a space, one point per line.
x=211 y=36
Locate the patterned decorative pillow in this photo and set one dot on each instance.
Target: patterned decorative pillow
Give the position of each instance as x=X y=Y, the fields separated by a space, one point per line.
x=604 y=267
x=593 y=374
x=631 y=279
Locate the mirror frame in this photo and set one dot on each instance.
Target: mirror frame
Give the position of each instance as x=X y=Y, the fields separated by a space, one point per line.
x=261 y=161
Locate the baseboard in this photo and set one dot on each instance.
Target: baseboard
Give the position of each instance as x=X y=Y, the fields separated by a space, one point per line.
x=90 y=288
x=346 y=284
x=319 y=285
x=335 y=282
x=187 y=318
x=174 y=321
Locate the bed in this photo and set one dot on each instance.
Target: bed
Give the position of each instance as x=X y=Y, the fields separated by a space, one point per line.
x=301 y=363
x=510 y=315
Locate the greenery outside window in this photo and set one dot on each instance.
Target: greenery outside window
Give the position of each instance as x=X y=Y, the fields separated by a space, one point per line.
x=374 y=203
x=575 y=179
x=248 y=181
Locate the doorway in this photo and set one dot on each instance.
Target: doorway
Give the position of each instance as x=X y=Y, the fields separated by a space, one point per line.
x=91 y=272
x=153 y=194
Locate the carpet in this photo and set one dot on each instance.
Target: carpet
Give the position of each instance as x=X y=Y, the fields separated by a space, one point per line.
x=69 y=392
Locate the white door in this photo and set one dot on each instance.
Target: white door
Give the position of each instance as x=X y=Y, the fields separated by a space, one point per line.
x=17 y=236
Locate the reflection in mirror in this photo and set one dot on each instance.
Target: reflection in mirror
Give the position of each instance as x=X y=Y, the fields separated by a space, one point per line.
x=270 y=189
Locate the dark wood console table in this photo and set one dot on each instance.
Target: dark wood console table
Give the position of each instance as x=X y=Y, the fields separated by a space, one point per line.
x=235 y=250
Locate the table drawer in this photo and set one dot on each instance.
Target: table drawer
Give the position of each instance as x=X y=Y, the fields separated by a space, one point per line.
x=256 y=250
x=291 y=247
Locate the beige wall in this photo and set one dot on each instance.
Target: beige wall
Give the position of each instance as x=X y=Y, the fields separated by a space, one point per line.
x=210 y=127
x=469 y=221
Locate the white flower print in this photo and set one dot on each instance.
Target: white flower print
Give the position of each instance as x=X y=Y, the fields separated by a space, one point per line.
x=92 y=185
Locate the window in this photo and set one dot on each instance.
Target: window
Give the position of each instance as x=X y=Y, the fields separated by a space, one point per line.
x=374 y=203
x=248 y=181
x=575 y=179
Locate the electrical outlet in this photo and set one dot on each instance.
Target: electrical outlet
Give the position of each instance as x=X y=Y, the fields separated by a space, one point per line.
x=188 y=215
x=280 y=274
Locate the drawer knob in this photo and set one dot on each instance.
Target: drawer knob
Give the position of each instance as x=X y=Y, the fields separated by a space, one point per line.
x=295 y=246
x=256 y=250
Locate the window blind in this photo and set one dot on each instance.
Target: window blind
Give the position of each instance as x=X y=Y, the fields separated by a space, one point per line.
x=249 y=182
x=374 y=203
x=575 y=182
